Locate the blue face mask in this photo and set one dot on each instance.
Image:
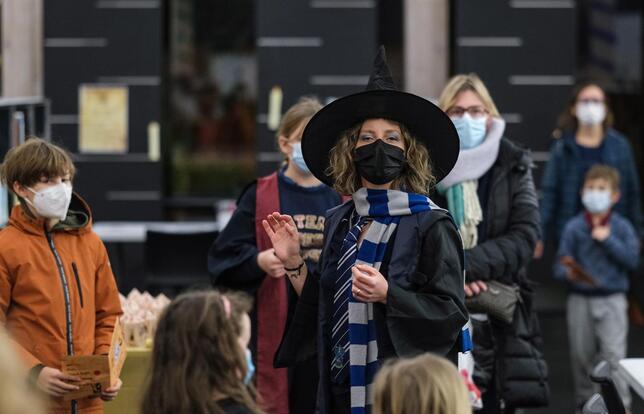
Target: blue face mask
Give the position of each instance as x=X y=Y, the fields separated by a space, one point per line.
x=250 y=367
x=597 y=201
x=471 y=131
x=298 y=158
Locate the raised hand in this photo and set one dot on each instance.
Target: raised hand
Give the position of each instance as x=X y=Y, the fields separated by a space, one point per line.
x=282 y=231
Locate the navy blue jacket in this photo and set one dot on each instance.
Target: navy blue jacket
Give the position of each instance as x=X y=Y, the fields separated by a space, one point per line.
x=562 y=182
x=608 y=261
x=425 y=308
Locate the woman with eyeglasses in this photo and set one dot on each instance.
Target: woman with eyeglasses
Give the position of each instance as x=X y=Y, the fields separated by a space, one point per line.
x=491 y=195
x=585 y=137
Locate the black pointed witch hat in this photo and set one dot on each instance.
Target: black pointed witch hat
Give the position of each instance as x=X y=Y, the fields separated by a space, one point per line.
x=381 y=99
x=380 y=77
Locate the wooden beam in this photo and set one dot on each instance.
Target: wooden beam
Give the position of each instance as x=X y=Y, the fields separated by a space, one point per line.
x=22 y=48
x=426 y=46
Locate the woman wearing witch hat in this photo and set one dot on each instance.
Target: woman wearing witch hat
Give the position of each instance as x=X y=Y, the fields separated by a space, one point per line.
x=390 y=279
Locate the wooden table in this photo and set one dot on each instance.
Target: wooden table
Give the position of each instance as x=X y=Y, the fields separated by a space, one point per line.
x=133 y=376
x=632 y=370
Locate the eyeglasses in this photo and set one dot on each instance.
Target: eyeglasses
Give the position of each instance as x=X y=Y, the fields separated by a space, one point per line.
x=473 y=111
x=590 y=100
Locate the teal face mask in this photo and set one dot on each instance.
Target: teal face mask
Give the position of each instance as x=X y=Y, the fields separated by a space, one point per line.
x=471 y=131
x=250 y=367
x=298 y=158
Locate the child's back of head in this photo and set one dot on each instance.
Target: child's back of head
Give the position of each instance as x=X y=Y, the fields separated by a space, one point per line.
x=426 y=384
x=197 y=358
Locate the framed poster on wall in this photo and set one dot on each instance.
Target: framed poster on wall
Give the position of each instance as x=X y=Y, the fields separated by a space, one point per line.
x=103 y=119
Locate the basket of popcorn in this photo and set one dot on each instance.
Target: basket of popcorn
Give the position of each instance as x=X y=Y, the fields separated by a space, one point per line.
x=141 y=313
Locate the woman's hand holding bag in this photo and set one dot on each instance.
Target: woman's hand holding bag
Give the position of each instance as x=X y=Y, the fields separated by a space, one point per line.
x=474 y=288
x=498 y=300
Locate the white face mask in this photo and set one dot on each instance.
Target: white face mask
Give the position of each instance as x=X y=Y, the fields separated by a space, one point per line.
x=591 y=113
x=597 y=201
x=52 y=202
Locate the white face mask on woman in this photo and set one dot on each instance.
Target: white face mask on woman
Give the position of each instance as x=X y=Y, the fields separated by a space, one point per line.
x=52 y=202
x=590 y=113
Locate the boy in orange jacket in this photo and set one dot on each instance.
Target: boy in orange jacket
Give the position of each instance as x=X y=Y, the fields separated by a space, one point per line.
x=58 y=295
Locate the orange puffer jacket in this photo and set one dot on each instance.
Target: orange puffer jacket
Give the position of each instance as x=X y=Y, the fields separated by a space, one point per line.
x=48 y=279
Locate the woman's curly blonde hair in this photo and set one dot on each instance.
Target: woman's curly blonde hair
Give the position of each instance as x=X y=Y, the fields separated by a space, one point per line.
x=416 y=177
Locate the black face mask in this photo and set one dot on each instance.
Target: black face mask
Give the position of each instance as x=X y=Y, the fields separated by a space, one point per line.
x=379 y=163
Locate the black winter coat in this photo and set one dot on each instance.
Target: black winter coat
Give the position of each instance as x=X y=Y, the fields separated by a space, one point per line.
x=510 y=220
x=510 y=230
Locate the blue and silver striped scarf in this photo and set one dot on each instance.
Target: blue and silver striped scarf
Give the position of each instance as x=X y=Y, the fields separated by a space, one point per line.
x=385 y=207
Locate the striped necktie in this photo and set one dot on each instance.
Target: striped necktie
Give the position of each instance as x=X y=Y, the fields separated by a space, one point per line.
x=340 y=315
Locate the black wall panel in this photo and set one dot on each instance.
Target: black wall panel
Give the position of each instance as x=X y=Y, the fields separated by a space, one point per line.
x=525 y=52
x=121 y=191
x=337 y=46
x=109 y=42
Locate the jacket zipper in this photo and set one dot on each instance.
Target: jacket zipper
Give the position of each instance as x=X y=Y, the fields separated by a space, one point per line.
x=78 y=284
x=68 y=304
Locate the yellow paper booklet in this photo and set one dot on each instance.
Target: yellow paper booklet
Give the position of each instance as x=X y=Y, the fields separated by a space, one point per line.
x=97 y=372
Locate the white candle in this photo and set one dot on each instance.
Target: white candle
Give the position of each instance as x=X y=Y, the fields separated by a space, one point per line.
x=274 y=108
x=154 y=141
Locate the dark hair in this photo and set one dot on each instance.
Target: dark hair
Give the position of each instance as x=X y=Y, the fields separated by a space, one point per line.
x=603 y=172
x=197 y=359
x=568 y=122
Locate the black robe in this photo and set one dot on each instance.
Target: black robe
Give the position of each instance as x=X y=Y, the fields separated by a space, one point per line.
x=425 y=308
x=232 y=263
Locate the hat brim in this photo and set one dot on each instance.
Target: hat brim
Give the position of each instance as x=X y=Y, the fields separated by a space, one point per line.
x=428 y=123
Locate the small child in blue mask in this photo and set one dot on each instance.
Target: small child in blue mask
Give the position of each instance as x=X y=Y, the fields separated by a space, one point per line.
x=598 y=249
x=200 y=360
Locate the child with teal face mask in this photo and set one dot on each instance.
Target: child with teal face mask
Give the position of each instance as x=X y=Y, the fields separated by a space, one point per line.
x=201 y=345
x=242 y=304
x=289 y=140
x=298 y=158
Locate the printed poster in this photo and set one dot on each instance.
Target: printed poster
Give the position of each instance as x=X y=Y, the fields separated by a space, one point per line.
x=103 y=119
